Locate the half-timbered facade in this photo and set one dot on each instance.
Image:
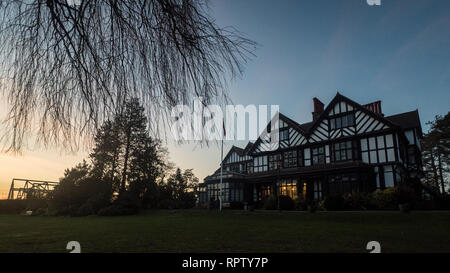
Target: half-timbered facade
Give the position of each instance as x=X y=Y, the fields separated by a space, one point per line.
x=347 y=147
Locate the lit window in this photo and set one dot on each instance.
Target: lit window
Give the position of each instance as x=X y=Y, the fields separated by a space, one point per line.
x=288 y=187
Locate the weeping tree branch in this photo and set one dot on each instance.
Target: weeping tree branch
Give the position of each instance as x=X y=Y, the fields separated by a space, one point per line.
x=65 y=68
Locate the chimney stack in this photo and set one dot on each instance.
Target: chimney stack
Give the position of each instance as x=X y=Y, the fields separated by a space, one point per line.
x=374 y=107
x=318 y=108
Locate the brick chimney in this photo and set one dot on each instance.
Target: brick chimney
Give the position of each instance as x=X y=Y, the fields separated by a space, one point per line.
x=374 y=107
x=318 y=108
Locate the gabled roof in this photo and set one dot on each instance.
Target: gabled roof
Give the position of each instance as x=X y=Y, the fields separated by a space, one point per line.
x=248 y=147
x=340 y=97
x=289 y=121
x=306 y=126
x=236 y=149
x=407 y=120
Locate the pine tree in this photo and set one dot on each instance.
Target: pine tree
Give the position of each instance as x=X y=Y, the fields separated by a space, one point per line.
x=133 y=126
x=436 y=151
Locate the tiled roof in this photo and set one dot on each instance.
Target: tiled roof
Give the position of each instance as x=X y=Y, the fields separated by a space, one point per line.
x=406 y=120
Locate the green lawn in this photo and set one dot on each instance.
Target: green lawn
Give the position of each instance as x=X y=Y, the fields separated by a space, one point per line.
x=230 y=231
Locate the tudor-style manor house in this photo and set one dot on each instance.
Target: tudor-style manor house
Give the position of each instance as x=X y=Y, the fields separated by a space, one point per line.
x=347 y=147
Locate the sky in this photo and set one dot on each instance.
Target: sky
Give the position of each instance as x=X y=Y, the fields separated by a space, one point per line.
x=398 y=52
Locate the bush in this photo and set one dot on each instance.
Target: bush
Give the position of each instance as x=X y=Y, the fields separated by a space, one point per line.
x=355 y=201
x=385 y=199
x=236 y=205
x=187 y=200
x=406 y=195
x=271 y=203
x=128 y=200
x=40 y=211
x=300 y=203
x=167 y=204
x=285 y=202
x=334 y=202
x=12 y=206
x=443 y=202
x=93 y=205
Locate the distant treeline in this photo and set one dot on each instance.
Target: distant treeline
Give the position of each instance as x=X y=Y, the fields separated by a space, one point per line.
x=127 y=170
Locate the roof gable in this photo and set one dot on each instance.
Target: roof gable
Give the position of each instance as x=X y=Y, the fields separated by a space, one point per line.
x=375 y=119
x=296 y=135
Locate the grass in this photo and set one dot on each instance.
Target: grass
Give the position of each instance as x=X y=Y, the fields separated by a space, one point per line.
x=230 y=231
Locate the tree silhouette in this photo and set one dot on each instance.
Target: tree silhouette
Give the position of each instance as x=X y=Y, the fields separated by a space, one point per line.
x=68 y=68
x=436 y=151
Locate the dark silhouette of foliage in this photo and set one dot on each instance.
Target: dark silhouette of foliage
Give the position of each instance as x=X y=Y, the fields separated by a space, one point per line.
x=436 y=154
x=68 y=68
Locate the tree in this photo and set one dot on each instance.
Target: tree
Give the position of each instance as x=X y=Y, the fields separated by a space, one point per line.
x=106 y=153
x=133 y=131
x=68 y=68
x=436 y=149
x=147 y=165
x=182 y=188
x=80 y=193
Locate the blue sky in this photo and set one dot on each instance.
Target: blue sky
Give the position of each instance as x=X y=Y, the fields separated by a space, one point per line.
x=398 y=52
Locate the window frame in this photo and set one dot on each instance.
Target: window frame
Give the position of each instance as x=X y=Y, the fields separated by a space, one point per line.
x=318 y=154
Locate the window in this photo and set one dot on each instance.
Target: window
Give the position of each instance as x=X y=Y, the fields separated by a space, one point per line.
x=288 y=187
x=250 y=167
x=290 y=159
x=274 y=162
x=411 y=155
x=300 y=158
x=236 y=192
x=284 y=135
x=213 y=191
x=318 y=155
x=260 y=164
x=388 y=176
x=342 y=121
x=378 y=149
x=317 y=190
x=235 y=168
x=344 y=151
x=264 y=192
x=339 y=184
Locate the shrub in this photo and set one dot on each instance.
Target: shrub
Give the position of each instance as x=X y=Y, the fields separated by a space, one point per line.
x=187 y=200
x=300 y=203
x=313 y=206
x=355 y=201
x=385 y=199
x=406 y=195
x=443 y=202
x=40 y=211
x=93 y=205
x=334 y=202
x=167 y=204
x=128 y=200
x=236 y=205
x=321 y=205
x=271 y=203
x=285 y=202
x=12 y=206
